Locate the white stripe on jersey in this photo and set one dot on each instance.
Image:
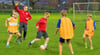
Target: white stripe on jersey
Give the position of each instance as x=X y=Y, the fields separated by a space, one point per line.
x=13 y=24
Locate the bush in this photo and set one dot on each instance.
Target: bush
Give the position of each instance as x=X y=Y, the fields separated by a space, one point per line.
x=70 y=10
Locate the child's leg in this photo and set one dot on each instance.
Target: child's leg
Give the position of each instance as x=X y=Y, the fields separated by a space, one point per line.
x=91 y=46
x=61 y=40
x=25 y=31
x=39 y=34
x=30 y=43
x=46 y=42
x=60 y=48
x=84 y=40
x=18 y=35
x=70 y=46
x=35 y=40
x=84 y=36
x=20 y=30
x=10 y=36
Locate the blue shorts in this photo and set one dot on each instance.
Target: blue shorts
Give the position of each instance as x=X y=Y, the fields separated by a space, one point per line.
x=10 y=32
x=63 y=40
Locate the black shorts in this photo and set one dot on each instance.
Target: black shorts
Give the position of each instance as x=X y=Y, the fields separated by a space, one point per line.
x=42 y=33
x=63 y=40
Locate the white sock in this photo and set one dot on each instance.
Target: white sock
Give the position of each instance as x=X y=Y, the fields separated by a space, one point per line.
x=32 y=42
x=85 y=44
x=7 y=43
x=45 y=45
x=72 y=52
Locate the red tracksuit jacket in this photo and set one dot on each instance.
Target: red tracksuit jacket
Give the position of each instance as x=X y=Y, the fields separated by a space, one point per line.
x=23 y=15
x=42 y=23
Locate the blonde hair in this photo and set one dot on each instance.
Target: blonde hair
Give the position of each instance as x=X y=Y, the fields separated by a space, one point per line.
x=15 y=13
x=47 y=13
x=63 y=12
x=25 y=6
x=89 y=15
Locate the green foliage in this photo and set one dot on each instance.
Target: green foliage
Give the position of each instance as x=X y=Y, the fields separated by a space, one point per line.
x=70 y=10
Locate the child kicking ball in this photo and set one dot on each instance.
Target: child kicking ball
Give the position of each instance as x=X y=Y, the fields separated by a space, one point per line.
x=41 y=26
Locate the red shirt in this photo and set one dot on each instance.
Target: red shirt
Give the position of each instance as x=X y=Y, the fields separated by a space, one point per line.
x=42 y=24
x=23 y=15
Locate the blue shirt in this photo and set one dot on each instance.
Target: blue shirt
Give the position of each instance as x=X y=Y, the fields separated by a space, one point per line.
x=59 y=22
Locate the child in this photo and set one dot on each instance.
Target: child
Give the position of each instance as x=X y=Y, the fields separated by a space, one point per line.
x=41 y=26
x=24 y=18
x=12 y=28
x=90 y=26
x=65 y=26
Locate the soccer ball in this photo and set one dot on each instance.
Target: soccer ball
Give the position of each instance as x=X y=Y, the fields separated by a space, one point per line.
x=42 y=47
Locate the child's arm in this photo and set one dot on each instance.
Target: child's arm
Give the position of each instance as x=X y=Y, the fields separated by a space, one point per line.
x=74 y=26
x=37 y=24
x=57 y=31
x=29 y=17
x=16 y=7
x=94 y=26
x=6 y=22
x=58 y=27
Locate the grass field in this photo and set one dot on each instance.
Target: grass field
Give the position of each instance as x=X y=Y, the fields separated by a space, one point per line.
x=53 y=48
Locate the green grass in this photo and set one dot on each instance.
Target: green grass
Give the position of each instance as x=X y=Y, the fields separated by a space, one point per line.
x=53 y=48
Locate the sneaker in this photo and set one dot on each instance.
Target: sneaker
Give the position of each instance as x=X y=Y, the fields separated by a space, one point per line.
x=73 y=54
x=46 y=48
x=86 y=45
x=23 y=38
x=7 y=46
x=91 y=48
x=18 y=42
x=29 y=44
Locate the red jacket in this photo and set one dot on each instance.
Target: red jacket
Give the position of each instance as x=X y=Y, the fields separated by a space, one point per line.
x=42 y=23
x=23 y=15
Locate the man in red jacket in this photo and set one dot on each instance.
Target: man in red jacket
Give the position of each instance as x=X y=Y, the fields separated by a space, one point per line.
x=24 y=17
x=41 y=26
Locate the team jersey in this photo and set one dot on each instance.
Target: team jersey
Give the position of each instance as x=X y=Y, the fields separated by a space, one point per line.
x=90 y=26
x=42 y=23
x=13 y=25
x=66 y=28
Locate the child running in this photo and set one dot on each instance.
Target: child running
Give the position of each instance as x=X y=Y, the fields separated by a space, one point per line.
x=65 y=26
x=41 y=26
x=12 y=28
x=90 y=26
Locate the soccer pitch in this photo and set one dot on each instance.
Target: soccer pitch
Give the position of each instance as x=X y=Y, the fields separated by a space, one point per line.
x=53 y=48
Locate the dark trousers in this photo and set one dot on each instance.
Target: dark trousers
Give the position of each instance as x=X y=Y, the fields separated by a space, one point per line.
x=23 y=26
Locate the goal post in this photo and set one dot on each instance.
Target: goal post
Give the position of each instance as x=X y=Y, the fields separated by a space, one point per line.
x=80 y=10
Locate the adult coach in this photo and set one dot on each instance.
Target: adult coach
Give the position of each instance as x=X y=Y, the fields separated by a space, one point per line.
x=24 y=17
